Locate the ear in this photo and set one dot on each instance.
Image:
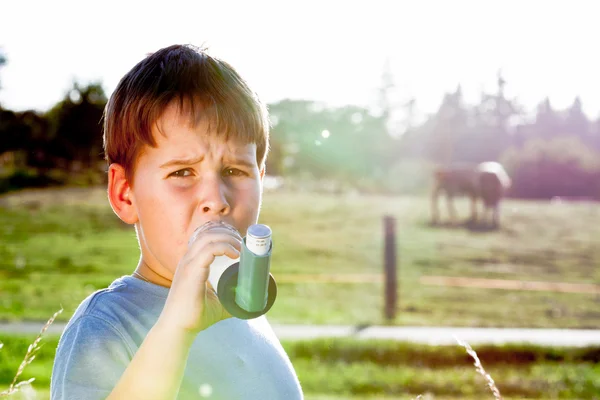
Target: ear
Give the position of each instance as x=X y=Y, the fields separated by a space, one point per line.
x=120 y=194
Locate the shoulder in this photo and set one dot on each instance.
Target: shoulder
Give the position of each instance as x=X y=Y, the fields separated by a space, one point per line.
x=123 y=299
x=91 y=356
x=101 y=304
x=91 y=333
x=100 y=314
x=126 y=308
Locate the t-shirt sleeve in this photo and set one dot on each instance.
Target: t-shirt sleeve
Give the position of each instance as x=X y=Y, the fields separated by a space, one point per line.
x=90 y=359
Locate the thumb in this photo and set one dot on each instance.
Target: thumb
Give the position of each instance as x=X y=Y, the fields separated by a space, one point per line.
x=224 y=314
x=214 y=310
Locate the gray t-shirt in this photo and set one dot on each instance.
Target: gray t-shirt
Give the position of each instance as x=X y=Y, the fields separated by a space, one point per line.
x=233 y=359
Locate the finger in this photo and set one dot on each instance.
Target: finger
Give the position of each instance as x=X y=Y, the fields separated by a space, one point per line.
x=212 y=302
x=212 y=237
x=198 y=266
x=216 y=249
x=209 y=245
x=216 y=229
x=231 y=231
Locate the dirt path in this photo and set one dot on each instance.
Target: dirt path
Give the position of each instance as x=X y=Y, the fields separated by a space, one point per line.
x=426 y=335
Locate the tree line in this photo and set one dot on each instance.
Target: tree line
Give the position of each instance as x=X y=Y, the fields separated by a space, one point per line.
x=552 y=153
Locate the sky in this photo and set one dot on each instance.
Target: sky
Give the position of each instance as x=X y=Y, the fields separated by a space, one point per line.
x=329 y=51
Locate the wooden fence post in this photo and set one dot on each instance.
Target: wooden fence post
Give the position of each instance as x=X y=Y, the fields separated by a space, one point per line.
x=391 y=289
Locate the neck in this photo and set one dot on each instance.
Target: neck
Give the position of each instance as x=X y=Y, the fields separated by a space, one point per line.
x=152 y=275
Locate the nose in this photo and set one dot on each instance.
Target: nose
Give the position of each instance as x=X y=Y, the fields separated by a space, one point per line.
x=213 y=197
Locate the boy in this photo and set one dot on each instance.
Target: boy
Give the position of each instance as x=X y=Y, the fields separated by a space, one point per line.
x=186 y=142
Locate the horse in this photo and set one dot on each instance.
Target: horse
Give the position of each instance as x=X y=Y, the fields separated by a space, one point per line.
x=487 y=181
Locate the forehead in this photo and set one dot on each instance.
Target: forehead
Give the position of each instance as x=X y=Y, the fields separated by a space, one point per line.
x=177 y=130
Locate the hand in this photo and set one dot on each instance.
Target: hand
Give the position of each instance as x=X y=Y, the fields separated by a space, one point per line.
x=192 y=304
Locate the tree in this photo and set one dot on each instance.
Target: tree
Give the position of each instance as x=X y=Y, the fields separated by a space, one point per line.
x=449 y=125
x=25 y=135
x=563 y=166
x=76 y=133
x=490 y=132
x=35 y=129
x=577 y=124
x=595 y=135
x=11 y=131
x=344 y=144
x=2 y=62
x=548 y=122
x=502 y=109
x=385 y=92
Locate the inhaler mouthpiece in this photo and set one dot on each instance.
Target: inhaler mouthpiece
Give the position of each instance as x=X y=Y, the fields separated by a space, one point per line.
x=221 y=263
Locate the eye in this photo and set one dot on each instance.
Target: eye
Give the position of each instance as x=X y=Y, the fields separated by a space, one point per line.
x=233 y=172
x=182 y=173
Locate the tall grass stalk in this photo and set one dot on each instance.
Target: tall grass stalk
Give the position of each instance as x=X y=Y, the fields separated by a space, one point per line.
x=29 y=357
x=490 y=382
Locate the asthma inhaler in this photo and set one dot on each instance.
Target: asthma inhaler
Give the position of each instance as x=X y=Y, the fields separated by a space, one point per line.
x=245 y=286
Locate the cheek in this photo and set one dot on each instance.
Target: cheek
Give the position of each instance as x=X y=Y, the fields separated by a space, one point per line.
x=164 y=215
x=248 y=201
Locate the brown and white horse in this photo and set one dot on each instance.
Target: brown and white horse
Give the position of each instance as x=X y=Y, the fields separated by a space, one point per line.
x=487 y=181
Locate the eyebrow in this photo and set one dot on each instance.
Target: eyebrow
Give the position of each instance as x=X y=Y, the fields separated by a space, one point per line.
x=243 y=162
x=182 y=161
x=190 y=161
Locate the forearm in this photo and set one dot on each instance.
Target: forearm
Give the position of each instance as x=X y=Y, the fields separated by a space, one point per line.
x=157 y=368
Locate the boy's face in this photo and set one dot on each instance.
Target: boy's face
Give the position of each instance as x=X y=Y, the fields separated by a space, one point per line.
x=191 y=177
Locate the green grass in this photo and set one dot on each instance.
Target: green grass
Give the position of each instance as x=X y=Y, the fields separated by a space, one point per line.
x=44 y=394
x=349 y=369
x=58 y=246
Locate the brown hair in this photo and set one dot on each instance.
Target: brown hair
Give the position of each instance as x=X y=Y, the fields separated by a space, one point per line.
x=211 y=87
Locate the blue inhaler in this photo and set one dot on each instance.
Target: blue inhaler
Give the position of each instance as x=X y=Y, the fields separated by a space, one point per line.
x=245 y=286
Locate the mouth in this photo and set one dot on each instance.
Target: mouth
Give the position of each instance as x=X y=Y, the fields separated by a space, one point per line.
x=212 y=225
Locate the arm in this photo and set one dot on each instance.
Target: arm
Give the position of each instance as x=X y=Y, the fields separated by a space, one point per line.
x=157 y=368
x=93 y=362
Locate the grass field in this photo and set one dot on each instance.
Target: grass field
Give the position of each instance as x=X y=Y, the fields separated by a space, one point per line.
x=350 y=369
x=58 y=246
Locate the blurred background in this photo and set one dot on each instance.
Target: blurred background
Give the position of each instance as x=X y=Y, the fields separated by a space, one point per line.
x=366 y=100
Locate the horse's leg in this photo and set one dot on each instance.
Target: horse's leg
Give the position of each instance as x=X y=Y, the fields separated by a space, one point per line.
x=435 y=212
x=451 y=207
x=473 y=208
x=496 y=216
